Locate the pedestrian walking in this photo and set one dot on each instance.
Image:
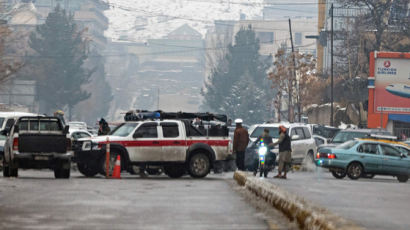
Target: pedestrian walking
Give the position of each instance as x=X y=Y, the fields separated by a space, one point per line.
x=285 y=152
x=240 y=142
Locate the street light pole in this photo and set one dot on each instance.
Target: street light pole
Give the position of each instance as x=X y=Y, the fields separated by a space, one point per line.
x=331 y=67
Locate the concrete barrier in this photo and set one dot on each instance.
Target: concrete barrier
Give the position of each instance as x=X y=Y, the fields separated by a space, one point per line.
x=307 y=215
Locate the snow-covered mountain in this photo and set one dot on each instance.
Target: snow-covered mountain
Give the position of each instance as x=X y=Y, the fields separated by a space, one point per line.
x=138 y=20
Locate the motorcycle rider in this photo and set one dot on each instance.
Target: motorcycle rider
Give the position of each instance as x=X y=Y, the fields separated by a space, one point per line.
x=270 y=156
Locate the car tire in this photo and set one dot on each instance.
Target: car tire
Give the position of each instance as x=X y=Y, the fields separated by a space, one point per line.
x=402 y=178
x=175 y=171
x=87 y=170
x=199 y=165
x=62 y=170
x=13 y=171
x=6 y=172
x=339 y=174
x=355 y=170
x=368 y=175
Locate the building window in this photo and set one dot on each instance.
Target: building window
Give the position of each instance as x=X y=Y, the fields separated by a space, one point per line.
x=298 y=38
x=265 y=37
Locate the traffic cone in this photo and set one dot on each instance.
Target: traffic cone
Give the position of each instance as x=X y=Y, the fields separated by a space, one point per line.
x=116 y=174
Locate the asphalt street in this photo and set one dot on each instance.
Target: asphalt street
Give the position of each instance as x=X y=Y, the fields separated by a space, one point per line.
x=36 y=200
x=381 y=203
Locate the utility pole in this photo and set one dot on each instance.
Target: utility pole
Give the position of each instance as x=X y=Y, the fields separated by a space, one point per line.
x=294 y=70
x=331 y=66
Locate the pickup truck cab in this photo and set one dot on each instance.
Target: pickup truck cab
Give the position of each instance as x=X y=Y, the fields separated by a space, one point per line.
x=176 y=145
x=37 y=142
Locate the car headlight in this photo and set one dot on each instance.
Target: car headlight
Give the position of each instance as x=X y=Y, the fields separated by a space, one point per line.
x=96 y=147
x=86 y=146
x=262 y=150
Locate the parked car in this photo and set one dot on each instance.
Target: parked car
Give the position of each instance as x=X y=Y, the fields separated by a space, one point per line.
x=325 y=131
x=356 y=158
x=303 y=144
x=37 y=142
x=319 y=140
x=7 y=119
x=78 y=134
x=349 y=134
x=77 y=125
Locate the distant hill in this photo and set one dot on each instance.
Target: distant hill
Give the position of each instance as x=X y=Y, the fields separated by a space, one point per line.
x=138 y=20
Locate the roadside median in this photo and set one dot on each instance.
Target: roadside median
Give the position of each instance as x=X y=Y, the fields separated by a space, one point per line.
x=307 y=215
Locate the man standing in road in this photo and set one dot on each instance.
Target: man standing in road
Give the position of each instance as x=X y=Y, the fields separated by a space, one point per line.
x=240 y=142
x=285 y=152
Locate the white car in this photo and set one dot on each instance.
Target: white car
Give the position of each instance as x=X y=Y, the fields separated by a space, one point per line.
x=7 y=119
x=78 y=134
x=303 y=143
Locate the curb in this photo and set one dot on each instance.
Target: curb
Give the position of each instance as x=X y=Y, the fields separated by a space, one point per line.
x=307 y=215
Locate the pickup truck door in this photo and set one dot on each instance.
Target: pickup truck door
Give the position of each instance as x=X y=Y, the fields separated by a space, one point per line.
x=173 y=142
x=392 y=161
x=146 y=145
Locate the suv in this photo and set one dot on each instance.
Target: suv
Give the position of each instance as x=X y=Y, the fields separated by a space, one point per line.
x=303 y=144
x=37 y=142
x=176 y=145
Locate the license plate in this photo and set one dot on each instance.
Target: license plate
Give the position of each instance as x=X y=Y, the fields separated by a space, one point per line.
x=41 y=158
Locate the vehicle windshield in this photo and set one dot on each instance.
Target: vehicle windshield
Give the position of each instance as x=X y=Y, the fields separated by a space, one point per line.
x=1 y=121
x=124 y=129
x=273 y=132
x=347 y=145
x=343 y=136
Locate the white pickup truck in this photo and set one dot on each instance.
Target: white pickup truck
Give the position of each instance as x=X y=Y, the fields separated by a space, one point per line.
x=176 y=145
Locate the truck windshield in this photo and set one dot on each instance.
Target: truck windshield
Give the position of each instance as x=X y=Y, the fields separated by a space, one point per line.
x=124 y=129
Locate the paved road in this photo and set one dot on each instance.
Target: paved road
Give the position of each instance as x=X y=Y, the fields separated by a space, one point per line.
x=380 y=203
x=36 y=200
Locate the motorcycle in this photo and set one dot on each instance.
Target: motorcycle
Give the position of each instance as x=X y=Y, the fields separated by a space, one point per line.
x=265 y=164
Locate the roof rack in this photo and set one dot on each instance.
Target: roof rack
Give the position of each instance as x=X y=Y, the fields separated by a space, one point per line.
x=138 y=115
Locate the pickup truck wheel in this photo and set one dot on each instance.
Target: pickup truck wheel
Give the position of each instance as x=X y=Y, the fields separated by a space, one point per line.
x=339 y=174
x=354 y=170
x=6 y=172
x=62 y=170
x=402 y=178
x=174 y=171
x=87 y=170
x=13 y=171
x=199 y=165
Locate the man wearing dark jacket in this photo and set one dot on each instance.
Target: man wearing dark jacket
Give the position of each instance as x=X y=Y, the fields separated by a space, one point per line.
x=240 y=142
x=285 y=152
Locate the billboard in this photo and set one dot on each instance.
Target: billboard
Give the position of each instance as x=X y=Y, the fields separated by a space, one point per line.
x=392 y=85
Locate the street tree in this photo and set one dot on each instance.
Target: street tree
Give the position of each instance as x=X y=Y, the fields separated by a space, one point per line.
x=8 y=65
x=238 y=77
x=61 y=49
x=304 y=88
